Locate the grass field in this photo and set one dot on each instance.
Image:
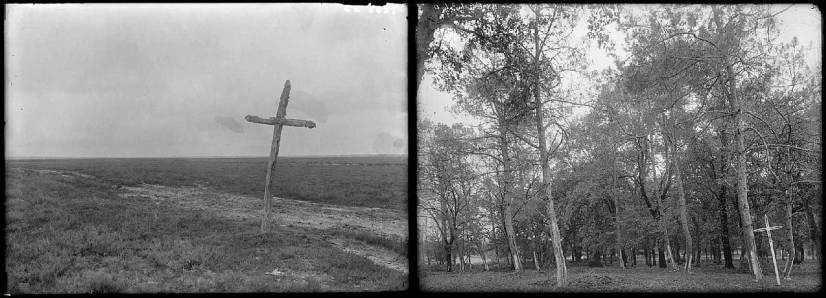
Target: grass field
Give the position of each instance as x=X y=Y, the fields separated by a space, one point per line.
x=376 y=181
x=707 y=278
x=68 y=234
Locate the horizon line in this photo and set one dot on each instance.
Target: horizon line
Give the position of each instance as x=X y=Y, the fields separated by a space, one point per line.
x=202 y=156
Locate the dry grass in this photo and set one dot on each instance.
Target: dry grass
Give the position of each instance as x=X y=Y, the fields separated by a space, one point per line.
x=710 y=278
x=379 y=182
x=70 y=235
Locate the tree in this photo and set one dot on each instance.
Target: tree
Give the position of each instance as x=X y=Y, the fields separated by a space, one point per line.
x=448 y=177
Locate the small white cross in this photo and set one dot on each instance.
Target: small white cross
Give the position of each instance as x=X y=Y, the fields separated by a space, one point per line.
x=768 y=230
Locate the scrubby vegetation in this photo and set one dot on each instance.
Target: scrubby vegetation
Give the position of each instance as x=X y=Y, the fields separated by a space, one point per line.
x=71 y=235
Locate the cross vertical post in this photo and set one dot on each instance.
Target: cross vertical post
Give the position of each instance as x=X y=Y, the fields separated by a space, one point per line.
x=277 y=122
x=768 y=229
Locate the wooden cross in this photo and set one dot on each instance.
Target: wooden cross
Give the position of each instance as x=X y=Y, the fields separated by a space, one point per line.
x=277 y=122
x=768 y=230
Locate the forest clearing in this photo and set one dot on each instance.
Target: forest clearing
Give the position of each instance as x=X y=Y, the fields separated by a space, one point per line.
x=159 y=225
x=679 y=143
x=706 y=277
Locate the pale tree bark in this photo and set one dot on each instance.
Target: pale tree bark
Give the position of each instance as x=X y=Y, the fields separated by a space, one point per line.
x=787 y=269
x=620 y=238
x=511 y=235
x=461 y=254
x=544 y=156
x=661 y=220
x=504 y=186
x=742 y=176
x=681 y=202
x=689 y=247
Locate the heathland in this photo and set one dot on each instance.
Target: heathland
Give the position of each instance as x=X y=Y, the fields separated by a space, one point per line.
x=191 y=225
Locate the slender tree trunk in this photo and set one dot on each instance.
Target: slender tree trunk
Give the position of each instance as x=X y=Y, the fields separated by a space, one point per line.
x=787 y=269
x=742 y=177
x=617 y=215
x=661 y=252
x=461 y=255
x=724 y=232
x=666 y=256
x=660 y=218
x=511 y=237
x=799 y=252
x=723 y=202
x=505 y=189
x=428 y=23
x=556 y=239
x=683 y=213
x=493 y=237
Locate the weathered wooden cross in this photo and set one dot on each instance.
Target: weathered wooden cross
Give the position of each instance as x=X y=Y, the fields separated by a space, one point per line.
x=277 y=122
x=768 y=230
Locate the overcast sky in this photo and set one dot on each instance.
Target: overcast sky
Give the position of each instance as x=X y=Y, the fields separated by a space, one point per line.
x=802 y=21
x=115 y=80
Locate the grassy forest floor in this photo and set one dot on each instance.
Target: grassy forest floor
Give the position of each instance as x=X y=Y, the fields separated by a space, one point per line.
x=806 y=277
x=69 y=232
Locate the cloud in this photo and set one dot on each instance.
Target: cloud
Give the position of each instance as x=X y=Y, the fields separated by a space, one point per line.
x=121 y=76
x=229 y=123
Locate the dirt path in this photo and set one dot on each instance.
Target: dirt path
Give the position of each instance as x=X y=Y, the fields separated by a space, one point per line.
x=384 y=222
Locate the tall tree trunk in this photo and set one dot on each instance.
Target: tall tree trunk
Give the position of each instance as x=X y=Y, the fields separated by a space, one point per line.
x=448 y=257
x=666 y=255
x=689 y=249
x=659 y=215
x=661 y=253
x=723 y=202
x=724 y=239
x=504 y=186
x=544 y=157
x=617 y=214
x=511 y=237
x=742 y=177
x=669 y=254
x=787 y=269
x=427 y=25
x=461 y=255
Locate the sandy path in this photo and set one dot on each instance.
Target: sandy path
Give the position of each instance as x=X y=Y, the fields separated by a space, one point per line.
x=383 y=222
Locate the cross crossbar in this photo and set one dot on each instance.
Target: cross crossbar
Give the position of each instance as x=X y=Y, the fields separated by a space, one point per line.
x=282 y=121
x=768 y=229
